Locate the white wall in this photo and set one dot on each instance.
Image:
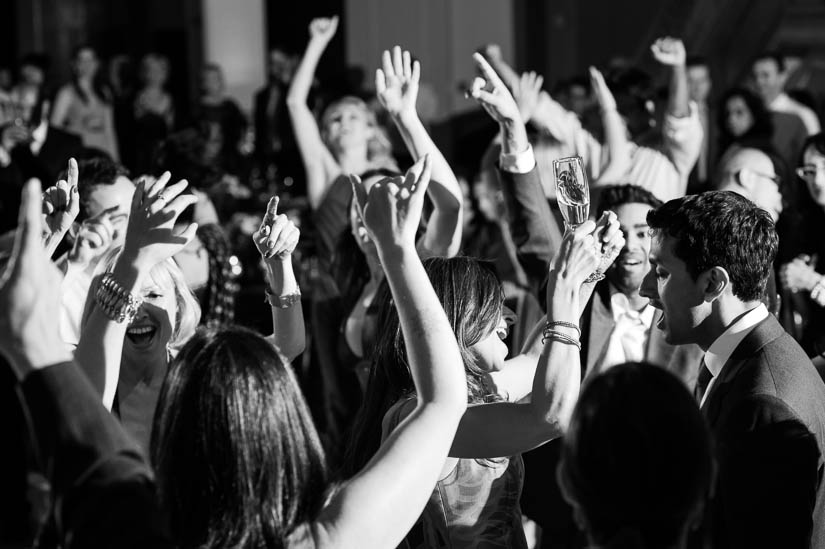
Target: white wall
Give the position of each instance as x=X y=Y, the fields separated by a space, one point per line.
x=441 y=33
x=234 y=38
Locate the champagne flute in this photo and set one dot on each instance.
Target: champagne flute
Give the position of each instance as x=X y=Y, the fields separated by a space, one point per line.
x=573 y=195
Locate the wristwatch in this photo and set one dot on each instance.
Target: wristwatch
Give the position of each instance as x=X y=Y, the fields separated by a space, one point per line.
x=282 y=301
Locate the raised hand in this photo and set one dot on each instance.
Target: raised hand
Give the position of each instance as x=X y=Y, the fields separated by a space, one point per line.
x=669 y=51
x=61 y=203
x=277 y=236
x=604 y=97
x=578 y=256
x=29 y=291
x=323 y=28
x=392 y=210
x=396 y=83
x=527 y=94
x=151 y=236
x=493 y=95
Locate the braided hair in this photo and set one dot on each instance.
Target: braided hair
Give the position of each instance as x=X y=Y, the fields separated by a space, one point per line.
x=218 y=297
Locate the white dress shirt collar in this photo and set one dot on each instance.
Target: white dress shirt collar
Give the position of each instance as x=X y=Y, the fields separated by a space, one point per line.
x=722 y=349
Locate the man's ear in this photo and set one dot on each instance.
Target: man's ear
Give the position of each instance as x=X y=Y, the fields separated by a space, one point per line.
x=714 y=281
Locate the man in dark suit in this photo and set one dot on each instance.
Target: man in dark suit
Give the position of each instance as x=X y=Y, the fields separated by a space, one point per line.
x=711 y=255
x=274 y=139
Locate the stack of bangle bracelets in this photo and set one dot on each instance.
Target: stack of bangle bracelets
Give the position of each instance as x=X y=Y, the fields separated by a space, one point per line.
x=551 y=333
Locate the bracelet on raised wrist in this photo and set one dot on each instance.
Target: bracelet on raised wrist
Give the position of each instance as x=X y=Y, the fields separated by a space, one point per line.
x=282 y=301
x=115 y=301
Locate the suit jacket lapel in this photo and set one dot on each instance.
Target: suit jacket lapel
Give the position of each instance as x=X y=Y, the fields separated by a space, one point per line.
x=765 y=332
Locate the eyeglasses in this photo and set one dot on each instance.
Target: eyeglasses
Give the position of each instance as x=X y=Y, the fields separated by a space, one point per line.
x=809 y=172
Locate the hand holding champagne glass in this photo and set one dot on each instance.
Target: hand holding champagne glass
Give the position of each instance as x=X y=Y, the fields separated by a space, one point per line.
x=573 y=195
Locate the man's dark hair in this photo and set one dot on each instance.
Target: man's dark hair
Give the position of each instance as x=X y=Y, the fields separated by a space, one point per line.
x=614 y=196
x=94 y=173
x=774 y=56
x=721 y=229
x=697 y=61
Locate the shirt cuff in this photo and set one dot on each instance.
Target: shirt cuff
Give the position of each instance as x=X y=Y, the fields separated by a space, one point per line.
x=520 y=162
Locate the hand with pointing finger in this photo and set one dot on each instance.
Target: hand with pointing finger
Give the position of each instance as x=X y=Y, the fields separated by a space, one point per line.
x=277 y=236
x=493 y=95
x=61 y=204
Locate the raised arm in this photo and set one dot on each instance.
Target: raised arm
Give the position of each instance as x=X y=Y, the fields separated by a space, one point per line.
x=382 y=502
x=276 y=240
x=615 y=132
x=504 y=429
x=319 y=163
x=530 y=221
x=396 y=84
x=150 y=239
x=682 y=129
x=671 y=52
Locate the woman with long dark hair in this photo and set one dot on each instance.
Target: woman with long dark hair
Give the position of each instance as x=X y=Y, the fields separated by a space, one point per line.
x=238 y=461
x=475 y=501
x=83 y=106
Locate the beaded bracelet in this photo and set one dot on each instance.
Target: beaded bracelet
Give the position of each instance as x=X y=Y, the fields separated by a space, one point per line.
x=561 y=338
x=118 y=304
x=281 y=301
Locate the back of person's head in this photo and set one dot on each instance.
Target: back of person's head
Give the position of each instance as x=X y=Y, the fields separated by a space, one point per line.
x=756 y=174
x=613 y=196
x=238 y=460
x=636 y=463
x=721 y=229
x=93 y=173
x=471 y=295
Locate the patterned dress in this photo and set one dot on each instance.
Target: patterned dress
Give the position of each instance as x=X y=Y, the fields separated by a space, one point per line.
x=476 y=506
